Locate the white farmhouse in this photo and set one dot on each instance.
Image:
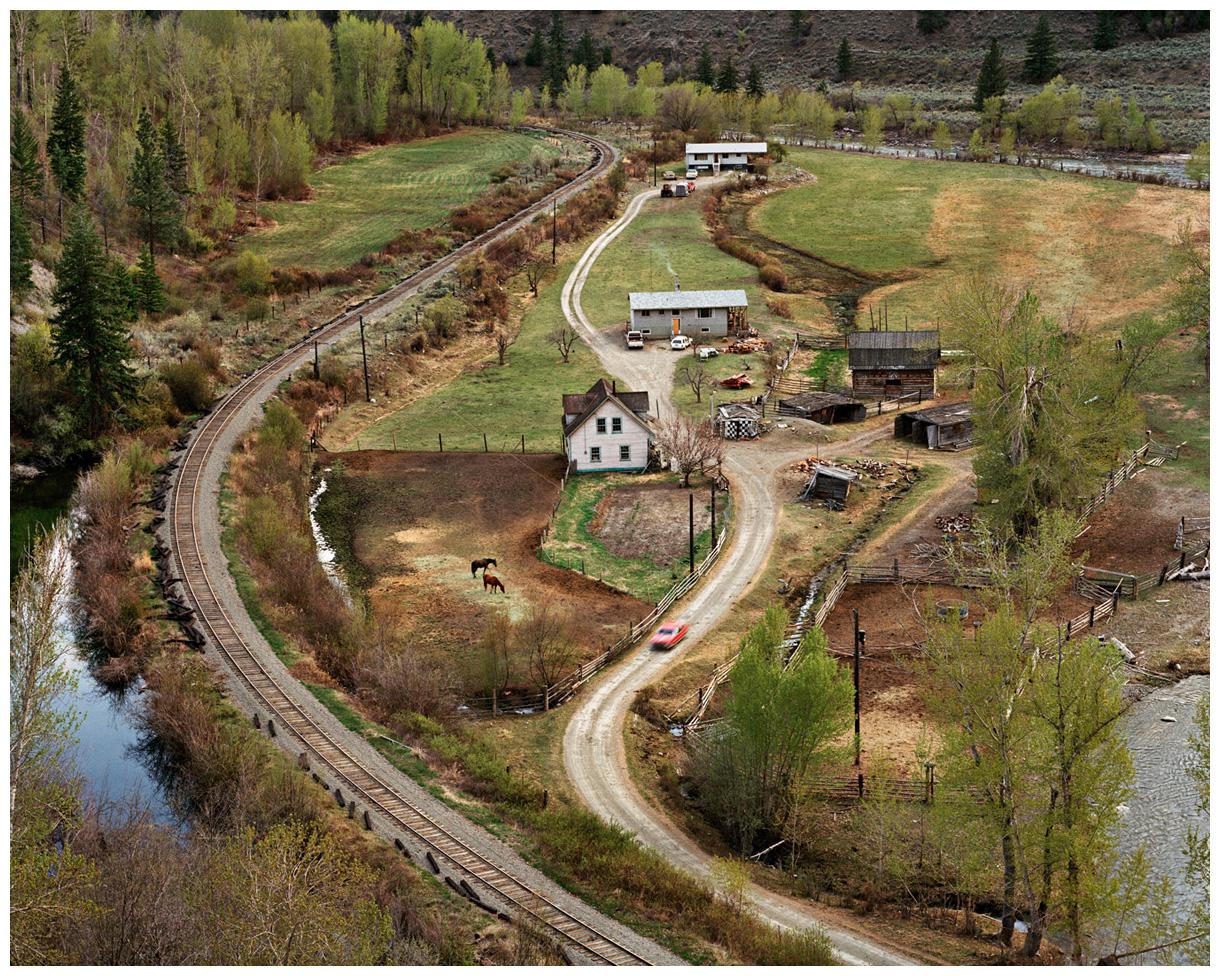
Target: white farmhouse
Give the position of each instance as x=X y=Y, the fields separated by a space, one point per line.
x=606 y=430
x=715 y=156
x=698 y=314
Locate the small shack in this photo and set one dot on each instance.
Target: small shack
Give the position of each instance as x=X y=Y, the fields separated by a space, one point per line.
x=825 y=408
x=950 y=426
x=893 y=364
x=830 y=483
x=737 y=421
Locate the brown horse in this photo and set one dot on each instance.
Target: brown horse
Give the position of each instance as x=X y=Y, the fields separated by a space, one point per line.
x=492 y=581
x=478 y=564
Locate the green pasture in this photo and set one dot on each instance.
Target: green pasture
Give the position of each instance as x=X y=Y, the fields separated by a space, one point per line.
x=360 y=204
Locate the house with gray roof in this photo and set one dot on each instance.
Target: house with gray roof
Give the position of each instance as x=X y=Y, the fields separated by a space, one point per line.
x=698 y=314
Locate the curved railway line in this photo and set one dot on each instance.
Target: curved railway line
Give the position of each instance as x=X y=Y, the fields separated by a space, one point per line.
x=472 y=862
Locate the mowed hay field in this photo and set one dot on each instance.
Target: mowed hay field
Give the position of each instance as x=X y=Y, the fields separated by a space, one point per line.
x=413 y=522
x=360 y=204
x=1097 y=248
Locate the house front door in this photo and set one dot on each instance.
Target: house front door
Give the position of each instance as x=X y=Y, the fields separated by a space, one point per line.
x=677 y=325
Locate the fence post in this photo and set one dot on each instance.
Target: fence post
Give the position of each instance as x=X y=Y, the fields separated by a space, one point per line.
x=1164 y=570
x=1114 y=602
x=546 y=698
x=522 y=443
x=1182 y=560
x=1135 y=587
x=485 y=451
x=1092 y=613
x=1068 y=635
x=494 y=703
x=440 y=442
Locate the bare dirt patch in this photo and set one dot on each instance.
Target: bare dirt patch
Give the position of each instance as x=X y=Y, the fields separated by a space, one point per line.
x=1160 y=211
x=419 y=519
x=648 y=522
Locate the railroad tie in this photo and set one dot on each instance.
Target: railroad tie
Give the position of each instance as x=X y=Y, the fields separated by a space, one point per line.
x=303 y=762
x=454 y=885
x=351 y=809
x=436 y=868
x=339 y=797
x=368 y=824
x=271 y=728
x=258 y=723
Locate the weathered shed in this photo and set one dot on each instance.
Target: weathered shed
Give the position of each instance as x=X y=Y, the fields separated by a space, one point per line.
x=947 y=426
x=893 y=364
x=737 y=421
x=827 y=481
x=825 y=408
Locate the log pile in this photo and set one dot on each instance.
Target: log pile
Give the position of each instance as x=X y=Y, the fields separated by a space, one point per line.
x=954 y=524
x=746 y=346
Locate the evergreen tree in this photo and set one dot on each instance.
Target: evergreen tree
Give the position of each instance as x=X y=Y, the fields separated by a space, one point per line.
x=754 y=82
x=177 y=179
x=66 y=140
x=25 y=170
x=705 y=74
x=557 y=53
x=149 y=292
x=1105 y=36
x=931 y=21
x=535 y=54
x=798 y=24
x=607 y=54
x=586 y=53
x=992 y=79
x=1040 y=64
x=843 y=61
x=147 y=191
x=20 y=250
x=89 y=325
x=726 y=79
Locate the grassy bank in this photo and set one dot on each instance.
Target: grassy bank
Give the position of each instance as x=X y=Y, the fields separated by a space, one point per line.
x=358 y=205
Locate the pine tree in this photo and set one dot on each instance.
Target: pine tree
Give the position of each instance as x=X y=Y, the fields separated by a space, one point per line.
x=1040 y=64
x=607 y=54
x=66 y=140
x=557 y=54
x=585 y=53
x=25 y=170
x=177 y=179
x=149 y=292
x=89 y=325
x=1105 y=36
x=843 y=61
x=726 y=79
x=20 y=250
x=535 y=54
x=705 y=74
x=754 y=82
x=798 y=24
x=147 y=191
x=992 y=78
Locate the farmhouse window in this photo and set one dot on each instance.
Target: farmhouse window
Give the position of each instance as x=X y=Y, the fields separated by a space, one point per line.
x=624 y=452
x=646 y=312
x=646 y=331
x=616 y=425
x=706 y=328
x=705 y=313
x=601 y=425
x=595 y=455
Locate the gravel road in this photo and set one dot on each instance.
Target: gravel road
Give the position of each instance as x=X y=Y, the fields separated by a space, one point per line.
x=594 y=752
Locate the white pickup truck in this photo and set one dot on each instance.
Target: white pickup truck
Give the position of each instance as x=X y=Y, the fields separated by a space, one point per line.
x=635 y=339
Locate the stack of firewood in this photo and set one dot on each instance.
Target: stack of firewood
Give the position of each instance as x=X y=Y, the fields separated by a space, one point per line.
x=954 y=524
x=745 y=346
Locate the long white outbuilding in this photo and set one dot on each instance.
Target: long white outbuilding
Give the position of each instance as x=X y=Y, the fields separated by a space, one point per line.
x=715 y=156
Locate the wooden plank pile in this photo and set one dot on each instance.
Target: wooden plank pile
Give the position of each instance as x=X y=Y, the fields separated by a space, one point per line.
x=745 y=346
x=954 y=524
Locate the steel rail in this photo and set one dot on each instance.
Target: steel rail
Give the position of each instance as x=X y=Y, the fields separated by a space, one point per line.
x=361 y=783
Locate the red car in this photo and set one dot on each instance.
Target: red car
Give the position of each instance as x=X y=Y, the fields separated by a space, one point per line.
x=668 y=635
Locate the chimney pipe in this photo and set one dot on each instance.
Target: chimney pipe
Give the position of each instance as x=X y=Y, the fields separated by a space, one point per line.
x=614 y=387
x=677 y=284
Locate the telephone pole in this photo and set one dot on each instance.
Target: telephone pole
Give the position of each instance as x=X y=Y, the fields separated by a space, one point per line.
x=857 y=644
x=654 y=157
x=554 y=230
x=364 y=359
x=316 y=374
x=691 y=499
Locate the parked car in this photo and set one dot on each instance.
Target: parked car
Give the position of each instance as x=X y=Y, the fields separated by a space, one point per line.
x=669 y=174
x=667 y=189
x=707 y=352
x=669 y=635
x=680 y=342
x=738 y=381
x=635 y=339
x=692 y=173
x=680 y=190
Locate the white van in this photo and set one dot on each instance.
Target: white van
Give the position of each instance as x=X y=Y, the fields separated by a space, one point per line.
x=680 y=342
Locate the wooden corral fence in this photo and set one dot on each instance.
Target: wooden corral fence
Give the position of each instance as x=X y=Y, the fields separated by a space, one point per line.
x=1189 y=526
x=1116 y=478
x=1130 y=585
x=566 y=687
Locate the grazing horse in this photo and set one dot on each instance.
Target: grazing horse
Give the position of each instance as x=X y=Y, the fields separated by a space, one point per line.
x=482 y=564
x=492 y=581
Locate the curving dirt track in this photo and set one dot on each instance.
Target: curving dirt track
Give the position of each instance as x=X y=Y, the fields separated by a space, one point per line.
x=594 y=752
x=388 y=801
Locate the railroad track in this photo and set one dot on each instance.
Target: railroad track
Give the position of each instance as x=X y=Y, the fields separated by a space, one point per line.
x=481 y=871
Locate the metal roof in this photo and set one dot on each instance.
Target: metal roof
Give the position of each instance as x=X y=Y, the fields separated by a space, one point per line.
x=652 y=300
x=830 y=471
x=817 y=400
x=737 y=411
x=950 y=413
x=726 y=147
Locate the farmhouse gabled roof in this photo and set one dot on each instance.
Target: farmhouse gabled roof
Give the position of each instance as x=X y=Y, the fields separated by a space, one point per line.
x=581 y=406
x=666 y=300
x=726 y=147
x=893 y=350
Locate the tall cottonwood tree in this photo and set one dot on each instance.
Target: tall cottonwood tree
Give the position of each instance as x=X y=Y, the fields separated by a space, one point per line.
x=89 y=328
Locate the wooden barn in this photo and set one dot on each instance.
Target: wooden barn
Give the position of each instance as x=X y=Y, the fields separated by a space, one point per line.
x=825 y=408
x=886 y=365
x=737 y=421
x=947 y=426
x=830 y=483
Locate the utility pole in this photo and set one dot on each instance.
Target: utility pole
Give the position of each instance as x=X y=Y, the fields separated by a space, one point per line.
x=316 y=374
x=365 y=361
x=691 y=499
x=654 y=157
x=554 y=230
x=858 y=644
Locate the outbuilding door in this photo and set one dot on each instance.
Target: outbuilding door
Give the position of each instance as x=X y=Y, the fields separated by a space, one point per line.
x=893 y=385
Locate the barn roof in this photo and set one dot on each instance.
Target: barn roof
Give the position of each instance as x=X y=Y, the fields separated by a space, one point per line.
x=950 y=413
x=820 y=470
x=581 y=406
x=652 y=300
x=816 y=400
x=726 y=147
x=893 y=350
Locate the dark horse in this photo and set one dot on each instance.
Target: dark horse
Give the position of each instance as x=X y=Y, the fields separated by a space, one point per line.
x=492 y=582
x=480 y=564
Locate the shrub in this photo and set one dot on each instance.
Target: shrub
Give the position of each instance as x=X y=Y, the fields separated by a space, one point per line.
x=257 y=309
x=773 y=276
x=779 y=307
x=252 y=273
x=190 y=384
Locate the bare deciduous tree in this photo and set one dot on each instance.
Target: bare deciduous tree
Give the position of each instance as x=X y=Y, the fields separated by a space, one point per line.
x=564 y=338
x=546 y=638
x=535 y=268
x=503 y=341
x=690 y=446
x=695 y=376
